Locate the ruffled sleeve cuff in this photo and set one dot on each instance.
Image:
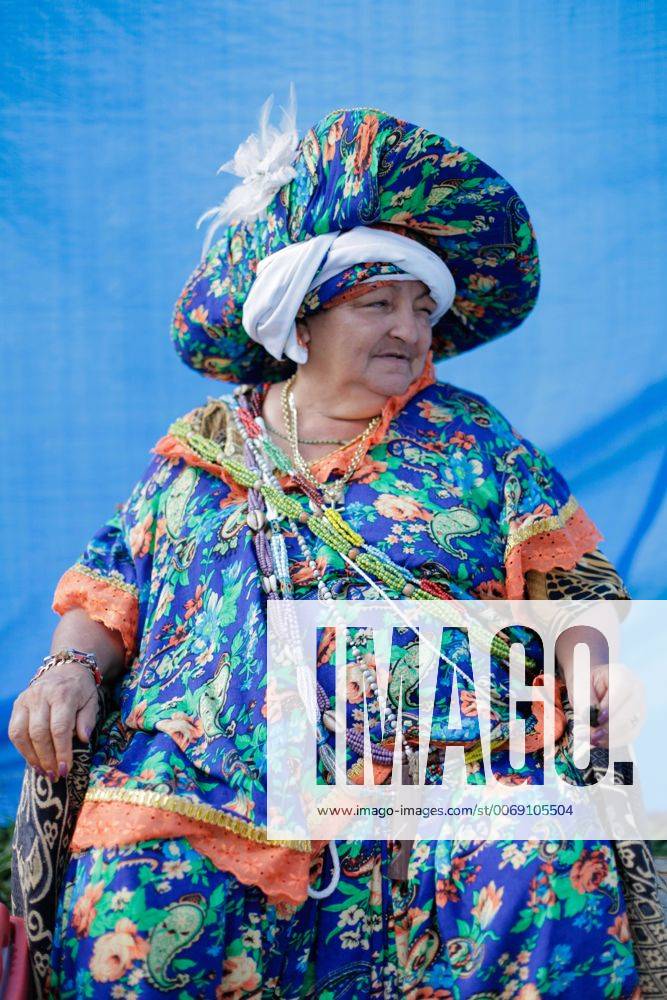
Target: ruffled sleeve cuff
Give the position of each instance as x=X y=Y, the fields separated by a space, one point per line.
x=110 y=600
x=548 y=542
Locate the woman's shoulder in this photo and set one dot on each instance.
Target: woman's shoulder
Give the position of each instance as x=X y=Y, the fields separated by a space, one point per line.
x=210 y=419
x=210 y=423
x=442 y=403
x=198 y=438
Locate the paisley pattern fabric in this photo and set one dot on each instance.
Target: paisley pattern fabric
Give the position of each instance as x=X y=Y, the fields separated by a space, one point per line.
x=449 y=488
x=476 y=920
x=362 y=167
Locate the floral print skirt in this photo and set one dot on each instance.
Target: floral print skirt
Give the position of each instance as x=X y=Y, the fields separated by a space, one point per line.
x=472 y=920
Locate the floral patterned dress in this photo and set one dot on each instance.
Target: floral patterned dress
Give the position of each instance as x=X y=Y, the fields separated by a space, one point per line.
x=172 y=888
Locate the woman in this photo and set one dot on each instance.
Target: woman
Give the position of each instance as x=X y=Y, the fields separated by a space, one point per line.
x=359 y=257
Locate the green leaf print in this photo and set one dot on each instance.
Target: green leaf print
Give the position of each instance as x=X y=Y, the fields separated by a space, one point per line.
x=147 y=920
x=230 y=598
x=524 y=922
x=575 y=903
x=182 y=964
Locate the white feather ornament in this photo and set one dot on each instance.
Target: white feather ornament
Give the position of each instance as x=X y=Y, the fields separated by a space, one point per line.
x=264 y=161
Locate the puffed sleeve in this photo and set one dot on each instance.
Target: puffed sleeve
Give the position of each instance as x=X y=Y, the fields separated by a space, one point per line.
x=111 y=578
x=544 y=525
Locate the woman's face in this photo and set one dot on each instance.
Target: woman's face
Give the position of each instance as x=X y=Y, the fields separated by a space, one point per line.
x=378 y=341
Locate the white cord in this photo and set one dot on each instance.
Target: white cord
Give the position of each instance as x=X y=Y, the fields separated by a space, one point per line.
x=335 y=877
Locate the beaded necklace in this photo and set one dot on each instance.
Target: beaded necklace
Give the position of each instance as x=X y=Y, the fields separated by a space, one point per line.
x=324 y=523
x=379 y=753
x=286 y=437
x=267 y=502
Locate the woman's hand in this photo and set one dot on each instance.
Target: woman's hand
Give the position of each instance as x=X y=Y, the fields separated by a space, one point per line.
x=629 y=702
x=46 y=715
x=64 y=699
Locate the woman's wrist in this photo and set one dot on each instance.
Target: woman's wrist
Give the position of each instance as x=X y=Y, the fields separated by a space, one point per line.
x=76 y=630
x=70 y=655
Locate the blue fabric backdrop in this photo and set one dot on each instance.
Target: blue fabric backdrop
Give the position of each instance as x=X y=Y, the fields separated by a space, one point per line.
x=115 y=117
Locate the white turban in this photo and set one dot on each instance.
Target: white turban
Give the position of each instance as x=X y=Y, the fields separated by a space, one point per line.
x=284 y=278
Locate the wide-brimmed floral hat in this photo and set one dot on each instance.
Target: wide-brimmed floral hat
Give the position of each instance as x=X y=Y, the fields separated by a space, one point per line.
x=362 y=167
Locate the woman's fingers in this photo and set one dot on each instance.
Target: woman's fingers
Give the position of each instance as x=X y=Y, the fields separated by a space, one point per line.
x=45 y=715
x=62 y=729
x=615 y=688
x=19 y=735
x=86 y=718
x=600 y=686
x=39 y=729
x=623 y=719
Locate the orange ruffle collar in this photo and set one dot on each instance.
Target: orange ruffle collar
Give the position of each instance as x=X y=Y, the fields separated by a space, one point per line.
x=336 y=461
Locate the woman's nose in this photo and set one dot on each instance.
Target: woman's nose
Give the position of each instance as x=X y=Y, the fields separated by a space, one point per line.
x=408 y=326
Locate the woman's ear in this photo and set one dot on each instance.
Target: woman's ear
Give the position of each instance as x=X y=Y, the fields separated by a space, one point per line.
x=302 y=333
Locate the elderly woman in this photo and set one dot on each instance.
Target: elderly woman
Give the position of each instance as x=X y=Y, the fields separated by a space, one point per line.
x=340 y=468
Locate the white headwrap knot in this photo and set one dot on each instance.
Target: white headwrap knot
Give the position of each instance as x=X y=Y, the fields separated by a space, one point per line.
x=285 y=277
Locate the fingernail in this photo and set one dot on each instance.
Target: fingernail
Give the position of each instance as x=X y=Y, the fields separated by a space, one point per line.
x=50 y=775
x=87 y=731
x=604 y=715
x=39 y=770
x=598 y=736
x=62 y=769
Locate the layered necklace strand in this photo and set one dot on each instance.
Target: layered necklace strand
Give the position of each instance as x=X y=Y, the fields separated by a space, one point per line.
x=271 y=582
x=285 y=437
x=325 y=523
x=331 y=492
x=266 y=500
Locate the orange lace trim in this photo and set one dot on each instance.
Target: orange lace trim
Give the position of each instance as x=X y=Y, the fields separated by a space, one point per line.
x=540 y=547
x=113 y=604
x=281 y=873
x=170 y=447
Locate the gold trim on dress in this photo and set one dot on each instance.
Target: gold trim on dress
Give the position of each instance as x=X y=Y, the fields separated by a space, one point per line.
x=201 y=812
x=545 y=524
x=113 y=578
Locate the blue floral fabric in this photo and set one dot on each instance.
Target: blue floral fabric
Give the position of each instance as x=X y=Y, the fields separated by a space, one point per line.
x=447 y=488
x=518 y=920
x=448 y=491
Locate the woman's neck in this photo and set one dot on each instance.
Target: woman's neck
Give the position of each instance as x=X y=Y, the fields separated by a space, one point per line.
x=319 y=416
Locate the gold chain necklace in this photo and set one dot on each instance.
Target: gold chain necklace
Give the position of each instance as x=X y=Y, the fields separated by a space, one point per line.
x=332 y=492
x=286 y=437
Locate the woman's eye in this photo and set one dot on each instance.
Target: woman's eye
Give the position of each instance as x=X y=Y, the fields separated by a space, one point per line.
x=379 y=302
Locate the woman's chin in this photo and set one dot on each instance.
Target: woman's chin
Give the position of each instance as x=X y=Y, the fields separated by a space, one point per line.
x=390 y=377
